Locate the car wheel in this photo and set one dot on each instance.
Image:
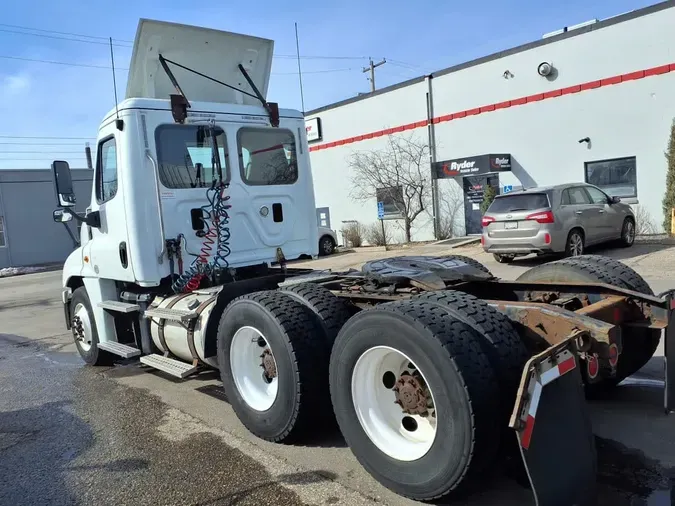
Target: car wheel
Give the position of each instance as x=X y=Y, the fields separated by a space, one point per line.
x=575 y=244
x=326 y=245
x=628 y=233
x=504 y=259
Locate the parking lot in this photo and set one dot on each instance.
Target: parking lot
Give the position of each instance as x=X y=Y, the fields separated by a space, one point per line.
x=124 y=435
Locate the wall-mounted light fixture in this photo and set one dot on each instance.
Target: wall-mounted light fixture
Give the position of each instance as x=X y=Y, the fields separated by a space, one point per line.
x=545 y=69
x=507 y=74
x=585 y=139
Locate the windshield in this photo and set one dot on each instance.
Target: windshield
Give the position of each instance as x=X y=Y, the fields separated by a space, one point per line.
x=520 y=202
x=185 y=156
x=267 y=156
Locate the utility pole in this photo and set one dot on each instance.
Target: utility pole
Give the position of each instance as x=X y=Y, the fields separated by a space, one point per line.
x=371 y=68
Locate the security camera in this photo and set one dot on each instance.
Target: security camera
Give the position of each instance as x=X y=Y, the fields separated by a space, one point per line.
x=545 y=69
x=585 y=139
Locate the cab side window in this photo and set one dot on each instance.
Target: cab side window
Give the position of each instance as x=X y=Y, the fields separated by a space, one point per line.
x=106 y=170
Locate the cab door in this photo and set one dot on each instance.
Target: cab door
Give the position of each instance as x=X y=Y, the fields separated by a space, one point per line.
x=108 y=247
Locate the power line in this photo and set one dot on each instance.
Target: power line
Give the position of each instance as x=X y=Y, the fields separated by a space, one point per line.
x=69 y=64
x=78 y=37
x=45 y=137
x=39 y=152
x=58 y=37
x=63 y=33
x=107 y=67
x=37 y=144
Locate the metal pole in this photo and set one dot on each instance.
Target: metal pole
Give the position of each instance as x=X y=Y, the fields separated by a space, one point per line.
x=431 y=130
x=297 y=48
x=384 y=236
x=371 y=68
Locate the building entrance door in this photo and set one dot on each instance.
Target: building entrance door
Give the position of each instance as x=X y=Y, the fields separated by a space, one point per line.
x=474 y=188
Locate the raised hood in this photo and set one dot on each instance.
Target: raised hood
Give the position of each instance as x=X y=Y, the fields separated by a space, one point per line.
x=212 y=52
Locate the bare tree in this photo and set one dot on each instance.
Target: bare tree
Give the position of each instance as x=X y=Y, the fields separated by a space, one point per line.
x=644 y=222
x=401 y=170
x=375 y=235
x=352 y=234
x=450 y=202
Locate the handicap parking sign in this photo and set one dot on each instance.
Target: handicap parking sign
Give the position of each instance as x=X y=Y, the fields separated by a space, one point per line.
x=380 y=210
x=507 y=188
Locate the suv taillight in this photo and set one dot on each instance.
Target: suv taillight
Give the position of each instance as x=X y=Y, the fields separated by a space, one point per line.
x=545 y=217
x=486 y=220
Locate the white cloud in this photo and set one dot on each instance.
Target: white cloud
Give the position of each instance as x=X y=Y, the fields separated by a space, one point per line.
x=14 y=85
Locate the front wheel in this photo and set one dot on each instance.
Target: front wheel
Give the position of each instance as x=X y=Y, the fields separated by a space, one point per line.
x=84 y=330
x=326 y=246
x=575 y=244
x=416 y=398
x=627 y=233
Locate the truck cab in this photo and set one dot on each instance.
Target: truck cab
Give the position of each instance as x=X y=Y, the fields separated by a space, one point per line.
x=154 y=174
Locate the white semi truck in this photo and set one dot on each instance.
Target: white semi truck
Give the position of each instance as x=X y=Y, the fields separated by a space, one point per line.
x=434 y=369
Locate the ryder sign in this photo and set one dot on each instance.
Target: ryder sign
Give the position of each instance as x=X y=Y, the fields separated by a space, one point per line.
x=472 y=166
x=313 y=128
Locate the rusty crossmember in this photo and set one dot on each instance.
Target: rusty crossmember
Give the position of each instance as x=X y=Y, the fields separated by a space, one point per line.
x=555 y=325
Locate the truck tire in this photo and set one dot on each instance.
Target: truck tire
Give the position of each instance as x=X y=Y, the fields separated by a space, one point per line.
x=384 y=347
x=631 y=278
x=498 y=339
x=329 y=308
x=84 y=330
x=639 y=345
x=272 y=365
x=467 y=260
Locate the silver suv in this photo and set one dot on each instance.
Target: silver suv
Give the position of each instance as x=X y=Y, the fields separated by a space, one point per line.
x=556 y=219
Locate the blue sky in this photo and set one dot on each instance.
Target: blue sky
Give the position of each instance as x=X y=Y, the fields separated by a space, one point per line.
x=48 y=100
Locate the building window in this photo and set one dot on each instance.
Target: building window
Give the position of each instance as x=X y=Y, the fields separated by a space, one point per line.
x=616 y=177
x=390 y=202
x=267 y=156
x=106 y=170
x=3 y=239
x=185 y=156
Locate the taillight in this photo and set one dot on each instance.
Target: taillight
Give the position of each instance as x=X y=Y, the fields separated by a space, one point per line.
x=486 y=220
x=545 y=217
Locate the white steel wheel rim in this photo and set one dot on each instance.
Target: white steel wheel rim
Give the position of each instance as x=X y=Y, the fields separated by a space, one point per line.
x=380 y=417
x=83 y=335
x=247 y=371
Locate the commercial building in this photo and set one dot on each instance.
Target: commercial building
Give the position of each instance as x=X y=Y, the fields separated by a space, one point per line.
x=28 y=234
x=593 y=103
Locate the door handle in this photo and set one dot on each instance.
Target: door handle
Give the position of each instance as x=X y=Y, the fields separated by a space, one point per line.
x=601 y=211
x=578 y=212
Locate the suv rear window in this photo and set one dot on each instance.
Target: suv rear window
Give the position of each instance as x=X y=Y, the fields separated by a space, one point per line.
x=521 y=202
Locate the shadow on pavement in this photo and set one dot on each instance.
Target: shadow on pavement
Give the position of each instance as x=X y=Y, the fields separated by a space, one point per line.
x=618 y=253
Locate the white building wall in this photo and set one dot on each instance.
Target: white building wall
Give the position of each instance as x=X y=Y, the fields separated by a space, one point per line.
x=600 y=91
x=330 y=167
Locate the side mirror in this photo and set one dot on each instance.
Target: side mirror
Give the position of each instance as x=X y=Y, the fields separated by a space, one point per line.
x=61 y=216
x=614 y=200
x=64 y=184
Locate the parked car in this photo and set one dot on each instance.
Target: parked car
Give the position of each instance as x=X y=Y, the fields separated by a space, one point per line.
x=557 y=219
x=327 y=241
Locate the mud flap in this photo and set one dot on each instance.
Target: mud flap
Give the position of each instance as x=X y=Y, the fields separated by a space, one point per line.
x=554 y=431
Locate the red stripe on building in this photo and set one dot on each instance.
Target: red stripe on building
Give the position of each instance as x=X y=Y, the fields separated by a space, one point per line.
x=591 y=85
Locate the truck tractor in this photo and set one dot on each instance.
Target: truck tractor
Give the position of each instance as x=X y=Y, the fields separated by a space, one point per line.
x=434 y=369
